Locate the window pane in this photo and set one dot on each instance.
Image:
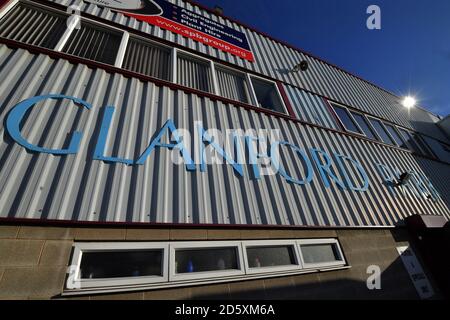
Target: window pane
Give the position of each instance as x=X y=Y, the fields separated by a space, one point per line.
x=31 y=25
x=409 y=141
x=194 y=73
x=348 y=122
x=114 y=264
x=270 y=256
x=232 y=85
x=147 y=59
x=381 y=131
x=267 y=95
x=207 y=259
x=362 y=122
x=319 y=253
x=94 y=43
x=395 y=135
x=422 y=145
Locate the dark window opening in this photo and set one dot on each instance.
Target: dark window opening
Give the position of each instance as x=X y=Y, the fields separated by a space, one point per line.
x=394 y=134
x=94 y=43
x=32 y=25
x=117 y=264
x=381 y=131
x=364 y=125
x=347 y=121
x=267 y=95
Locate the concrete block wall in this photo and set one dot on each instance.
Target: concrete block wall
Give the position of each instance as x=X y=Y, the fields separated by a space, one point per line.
x=34 y=260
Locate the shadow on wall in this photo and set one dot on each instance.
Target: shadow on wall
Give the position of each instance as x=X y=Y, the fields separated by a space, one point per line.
x=333 y=285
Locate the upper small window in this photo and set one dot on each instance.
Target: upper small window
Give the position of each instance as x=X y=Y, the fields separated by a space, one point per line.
x=194 y=73
x=423 y=145
x=33 y=25
x=364 y=125
x=346 y=119
x=267 y=95
x=94 y=42
x=396 y=136
x=232 y=84
x=147 y=58
x=384 y=135
x=408 y=138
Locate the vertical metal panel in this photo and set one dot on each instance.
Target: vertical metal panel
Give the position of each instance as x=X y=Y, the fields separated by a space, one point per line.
x=76 y=187
x=148 y=59
x=232 y=85
x=29 y=25
x=194 y=73
x=275 y=60
x=310 y=108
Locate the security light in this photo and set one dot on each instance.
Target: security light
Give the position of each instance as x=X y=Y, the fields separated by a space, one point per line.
x=409 y=102
x=302 y=66
x=404 y=178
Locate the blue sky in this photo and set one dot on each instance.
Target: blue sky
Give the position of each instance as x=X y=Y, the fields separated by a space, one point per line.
x=410 y=54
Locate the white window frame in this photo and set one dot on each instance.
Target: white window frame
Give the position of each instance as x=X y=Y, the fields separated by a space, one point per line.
x=361 y=131
x=250 y=76
x=70 y=29
x=271 y=243
x=336 y=263
x=171 y=280
x=376 y=131
x=174 y=246
x=395 y=127
x=170 y=50
x=371 y=128
x=81 y=247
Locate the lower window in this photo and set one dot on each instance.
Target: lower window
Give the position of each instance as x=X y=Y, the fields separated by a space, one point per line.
x=102 y=267
x=197 y=260
x=321 y=253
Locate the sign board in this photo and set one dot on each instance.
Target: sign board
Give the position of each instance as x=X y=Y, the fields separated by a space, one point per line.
x=187 y=23
x=416 y=272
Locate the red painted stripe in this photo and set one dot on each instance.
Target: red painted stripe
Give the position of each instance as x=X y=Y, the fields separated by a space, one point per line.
x=333 y=114
x=286 y=100
x=154 y=225
x=3 y=3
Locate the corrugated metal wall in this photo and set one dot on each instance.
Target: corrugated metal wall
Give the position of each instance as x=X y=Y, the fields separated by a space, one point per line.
x=310 y=108
x=275 y=60
x=75 y=187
